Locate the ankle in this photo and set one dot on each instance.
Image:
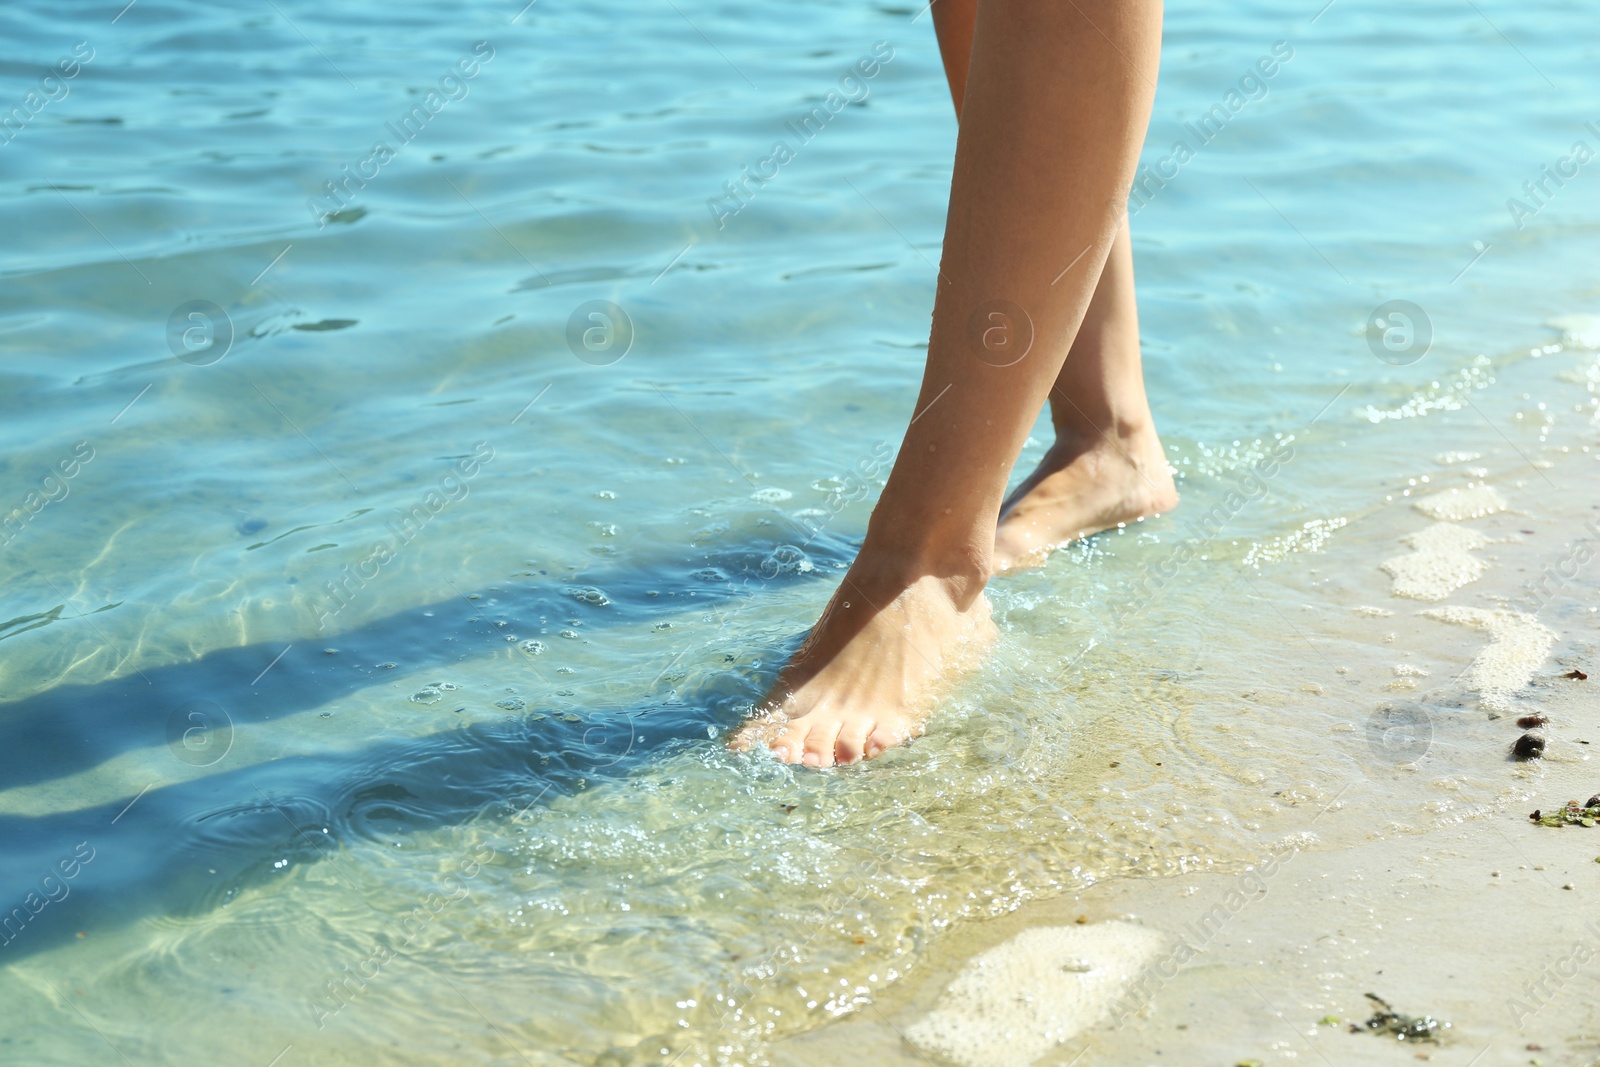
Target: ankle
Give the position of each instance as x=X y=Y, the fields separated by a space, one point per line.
x=890 y=564
x=1078 y=436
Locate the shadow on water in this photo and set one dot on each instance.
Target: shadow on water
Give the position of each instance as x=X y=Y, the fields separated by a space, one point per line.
x=184 y=849
x=189 y=847
x=73 y=727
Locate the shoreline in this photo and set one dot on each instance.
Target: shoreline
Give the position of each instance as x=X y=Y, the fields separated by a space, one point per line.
x=1452 y=905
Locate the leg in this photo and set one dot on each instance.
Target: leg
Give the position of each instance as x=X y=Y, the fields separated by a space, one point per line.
x=1107 y=464
x=1057 y=102
x=953 y=22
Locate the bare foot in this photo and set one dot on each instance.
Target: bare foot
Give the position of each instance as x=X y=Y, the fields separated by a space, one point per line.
x=1078 y=491
x=866 y=677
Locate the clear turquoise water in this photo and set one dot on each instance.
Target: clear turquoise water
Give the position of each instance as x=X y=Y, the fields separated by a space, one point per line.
x=509 y=717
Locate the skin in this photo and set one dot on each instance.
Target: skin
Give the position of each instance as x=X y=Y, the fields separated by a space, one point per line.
x=1106 y=464
x=1042 y=170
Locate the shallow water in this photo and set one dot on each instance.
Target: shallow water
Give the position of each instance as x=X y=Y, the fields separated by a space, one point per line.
x=279 y=743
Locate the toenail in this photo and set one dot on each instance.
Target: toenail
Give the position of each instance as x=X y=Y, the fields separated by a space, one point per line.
x=781 y=753
x=811 y=759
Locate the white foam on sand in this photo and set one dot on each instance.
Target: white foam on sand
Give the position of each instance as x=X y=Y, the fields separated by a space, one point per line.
x=1518 y=645
x=1580 y=330
x=1017 y=1001
x=1469 y=502
x=1440 y=562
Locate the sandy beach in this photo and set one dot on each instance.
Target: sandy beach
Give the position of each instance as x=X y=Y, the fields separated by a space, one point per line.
x=1449 y=903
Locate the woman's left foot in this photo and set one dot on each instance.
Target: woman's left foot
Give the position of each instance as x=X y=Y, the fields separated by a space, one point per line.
x=866 y=678
x=1077 y=491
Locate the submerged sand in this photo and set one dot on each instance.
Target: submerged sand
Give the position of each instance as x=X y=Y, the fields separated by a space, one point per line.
x=1458 y=907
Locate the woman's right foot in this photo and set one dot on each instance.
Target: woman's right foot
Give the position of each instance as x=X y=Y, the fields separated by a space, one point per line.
x=1077 y=491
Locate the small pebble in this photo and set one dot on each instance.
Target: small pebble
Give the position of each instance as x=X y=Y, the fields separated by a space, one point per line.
x=1566 y=885
x=1528 y=746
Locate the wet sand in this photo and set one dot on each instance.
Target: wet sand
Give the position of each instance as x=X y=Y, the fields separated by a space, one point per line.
x=1457 y=906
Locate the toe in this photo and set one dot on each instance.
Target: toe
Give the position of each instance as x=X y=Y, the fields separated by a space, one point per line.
x=761 y=728
x=852 y=742
x=819 y=744
x=741 y=740
x=789 y=743
x=883 y=736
